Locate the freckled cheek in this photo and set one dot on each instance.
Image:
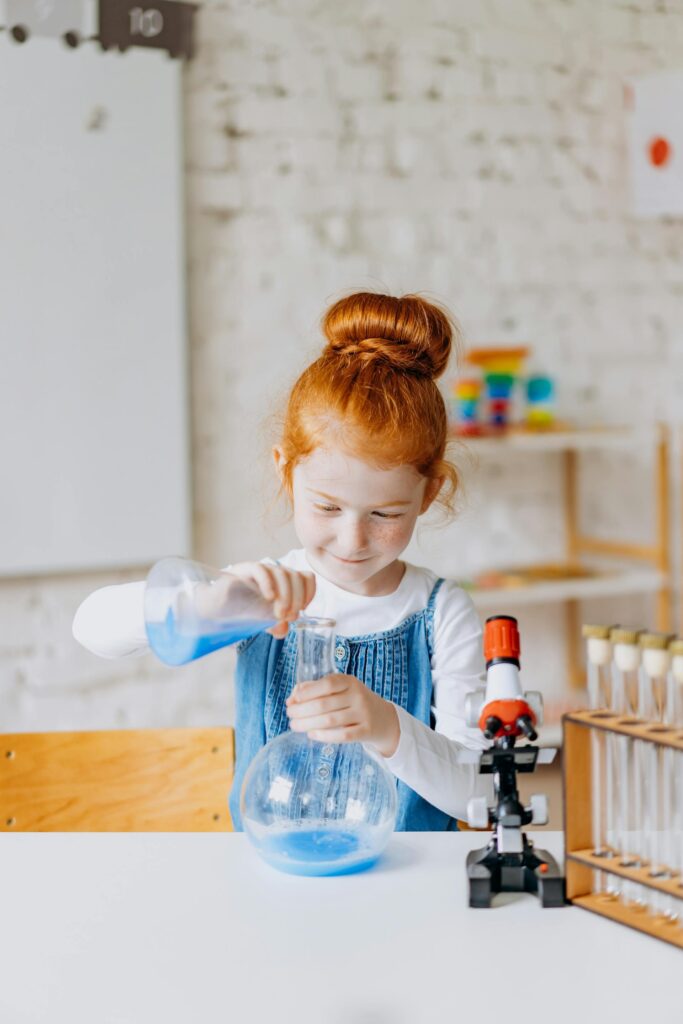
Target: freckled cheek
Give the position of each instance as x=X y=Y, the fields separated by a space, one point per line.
x=391 y=534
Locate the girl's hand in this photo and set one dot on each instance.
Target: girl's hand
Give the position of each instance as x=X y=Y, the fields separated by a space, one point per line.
x=289 y=590
x=340 y=709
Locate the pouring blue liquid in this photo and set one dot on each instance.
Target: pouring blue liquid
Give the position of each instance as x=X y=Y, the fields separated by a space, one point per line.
x=175 y=646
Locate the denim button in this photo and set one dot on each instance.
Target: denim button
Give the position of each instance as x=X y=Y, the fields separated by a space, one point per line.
x=323 y=772
x=340 y=651
x=328 y=750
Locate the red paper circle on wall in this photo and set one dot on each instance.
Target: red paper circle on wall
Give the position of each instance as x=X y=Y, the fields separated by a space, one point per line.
x=660 y=151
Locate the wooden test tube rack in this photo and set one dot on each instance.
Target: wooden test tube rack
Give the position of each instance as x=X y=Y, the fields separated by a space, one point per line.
x=580 y=861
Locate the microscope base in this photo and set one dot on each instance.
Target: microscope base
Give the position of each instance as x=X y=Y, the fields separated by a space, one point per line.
x=534 y=871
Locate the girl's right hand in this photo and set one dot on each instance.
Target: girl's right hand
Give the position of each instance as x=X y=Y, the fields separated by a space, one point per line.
x=289 y=590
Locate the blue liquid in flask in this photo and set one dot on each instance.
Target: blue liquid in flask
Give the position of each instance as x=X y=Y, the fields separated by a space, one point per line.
x=175 y=646
x=320 y=851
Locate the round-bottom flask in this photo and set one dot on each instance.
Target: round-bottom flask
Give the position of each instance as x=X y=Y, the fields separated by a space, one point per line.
x=315 y=808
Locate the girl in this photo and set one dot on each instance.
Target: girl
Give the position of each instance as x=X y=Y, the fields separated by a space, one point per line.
x=360 y=457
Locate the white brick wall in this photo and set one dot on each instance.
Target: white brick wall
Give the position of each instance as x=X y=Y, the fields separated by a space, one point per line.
x=472 y=151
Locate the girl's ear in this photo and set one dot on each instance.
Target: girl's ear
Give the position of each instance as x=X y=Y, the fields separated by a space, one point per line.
x=434 y=485
x=279 y=459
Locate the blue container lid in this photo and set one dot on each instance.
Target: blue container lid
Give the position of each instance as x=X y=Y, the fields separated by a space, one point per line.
x=538 y=389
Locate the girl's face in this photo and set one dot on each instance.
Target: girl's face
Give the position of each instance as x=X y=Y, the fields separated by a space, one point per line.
x=354 y=519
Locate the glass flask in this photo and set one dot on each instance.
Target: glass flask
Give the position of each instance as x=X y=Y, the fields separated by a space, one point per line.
x=192 y=610
x=313 y=808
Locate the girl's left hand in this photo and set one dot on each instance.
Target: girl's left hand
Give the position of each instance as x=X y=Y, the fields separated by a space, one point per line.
x=340 y=709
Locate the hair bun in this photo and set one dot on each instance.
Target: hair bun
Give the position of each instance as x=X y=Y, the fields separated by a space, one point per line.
x=409 y=333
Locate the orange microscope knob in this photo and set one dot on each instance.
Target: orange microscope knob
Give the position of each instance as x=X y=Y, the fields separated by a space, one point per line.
x=508 y=712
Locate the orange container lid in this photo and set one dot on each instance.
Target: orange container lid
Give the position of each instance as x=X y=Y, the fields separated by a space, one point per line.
x=479 y=356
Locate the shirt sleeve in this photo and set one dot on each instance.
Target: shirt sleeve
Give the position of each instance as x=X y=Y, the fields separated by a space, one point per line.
x=433 y=762
x=457 y=663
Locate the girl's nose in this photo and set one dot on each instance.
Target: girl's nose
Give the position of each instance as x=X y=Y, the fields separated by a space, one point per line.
x=354 y=538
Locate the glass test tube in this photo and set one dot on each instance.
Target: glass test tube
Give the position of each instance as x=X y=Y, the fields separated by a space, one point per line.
x=675 y=767
x=653 y=764
x=626 y=659
x=599 y=656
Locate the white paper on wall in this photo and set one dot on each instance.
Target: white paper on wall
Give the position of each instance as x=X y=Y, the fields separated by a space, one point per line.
x=655 y=106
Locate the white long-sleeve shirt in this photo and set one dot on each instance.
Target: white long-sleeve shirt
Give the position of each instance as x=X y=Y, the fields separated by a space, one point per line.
x=110 y=623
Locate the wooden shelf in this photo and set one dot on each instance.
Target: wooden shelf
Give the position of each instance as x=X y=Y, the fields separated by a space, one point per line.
x=613 y=568
x=559 y=440
x=608 y=584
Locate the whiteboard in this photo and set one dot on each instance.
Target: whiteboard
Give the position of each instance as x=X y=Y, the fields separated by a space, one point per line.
x=94 y=447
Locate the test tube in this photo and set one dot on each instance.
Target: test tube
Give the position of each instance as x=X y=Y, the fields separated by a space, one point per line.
x=675 y=767
x=626 y=659
x=653 y=764
x=599 y=656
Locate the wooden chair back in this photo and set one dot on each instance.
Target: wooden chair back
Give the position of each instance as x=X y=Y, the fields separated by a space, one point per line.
x=139 y=780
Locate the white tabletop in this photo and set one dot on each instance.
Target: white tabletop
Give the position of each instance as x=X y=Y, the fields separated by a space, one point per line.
x=159 y=928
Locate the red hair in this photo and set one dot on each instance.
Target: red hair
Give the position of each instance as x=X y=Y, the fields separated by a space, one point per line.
x=373 y=389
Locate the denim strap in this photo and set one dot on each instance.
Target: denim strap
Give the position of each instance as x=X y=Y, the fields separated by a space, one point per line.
x=429 y=615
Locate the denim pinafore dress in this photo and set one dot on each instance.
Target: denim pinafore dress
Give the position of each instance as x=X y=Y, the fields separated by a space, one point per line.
x=396 y=664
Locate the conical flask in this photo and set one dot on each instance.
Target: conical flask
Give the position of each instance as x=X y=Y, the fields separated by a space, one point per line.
x=192 y=609
x=314 y=808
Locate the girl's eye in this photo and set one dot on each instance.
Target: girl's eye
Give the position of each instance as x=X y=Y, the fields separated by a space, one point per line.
x=380 y=515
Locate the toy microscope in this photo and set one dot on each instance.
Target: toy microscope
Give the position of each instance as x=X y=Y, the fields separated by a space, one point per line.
x=504 y=713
